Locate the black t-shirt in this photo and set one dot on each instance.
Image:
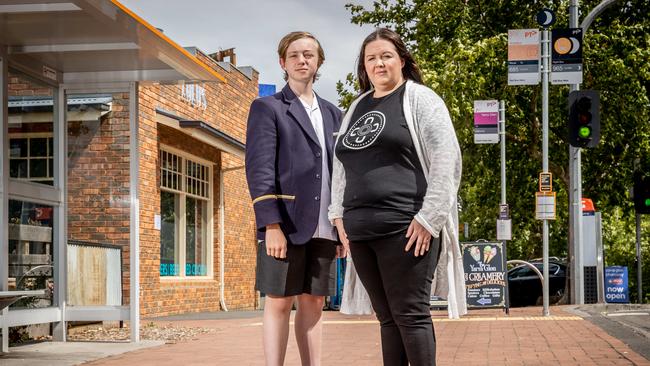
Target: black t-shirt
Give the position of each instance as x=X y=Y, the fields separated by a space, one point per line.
x=385 y=183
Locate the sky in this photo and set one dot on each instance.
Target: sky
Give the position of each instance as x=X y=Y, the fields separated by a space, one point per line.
x=254 y=28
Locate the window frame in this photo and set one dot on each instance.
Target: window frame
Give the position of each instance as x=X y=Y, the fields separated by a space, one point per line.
x=180 y=205
x=50 y=155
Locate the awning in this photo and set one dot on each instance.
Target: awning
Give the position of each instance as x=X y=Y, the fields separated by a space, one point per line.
x=81 y=41
x=203 y=132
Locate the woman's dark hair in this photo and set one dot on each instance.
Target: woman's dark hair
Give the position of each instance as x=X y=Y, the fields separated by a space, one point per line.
x=410 y=71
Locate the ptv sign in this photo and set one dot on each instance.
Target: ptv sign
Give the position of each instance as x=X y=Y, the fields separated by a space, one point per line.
x=566 y=56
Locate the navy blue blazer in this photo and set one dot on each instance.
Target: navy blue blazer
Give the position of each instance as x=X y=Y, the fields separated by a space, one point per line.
x=284 y=163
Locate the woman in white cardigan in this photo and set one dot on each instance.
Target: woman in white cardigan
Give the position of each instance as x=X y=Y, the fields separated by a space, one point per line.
x=396 y=173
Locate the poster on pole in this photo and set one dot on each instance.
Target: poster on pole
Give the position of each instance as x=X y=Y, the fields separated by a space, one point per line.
x=485 y=274
x=504 y=229
x=545 y=205
x=523 y=57
x=566 y=56
x=486 y=121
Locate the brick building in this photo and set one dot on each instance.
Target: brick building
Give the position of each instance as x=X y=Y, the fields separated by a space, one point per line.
x=123 y=180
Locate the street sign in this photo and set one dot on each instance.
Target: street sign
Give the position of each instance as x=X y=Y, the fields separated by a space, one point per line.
x=504 y=229
x=545 y=205
x=545 y=182
x=523 y=57
x=616 y=284
x=486 y=121
x=504 y=212
x=545 y=18
x=485 y=274
x=566 y=56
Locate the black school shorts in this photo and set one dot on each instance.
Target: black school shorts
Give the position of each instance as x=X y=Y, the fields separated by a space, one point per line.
x=308 y=269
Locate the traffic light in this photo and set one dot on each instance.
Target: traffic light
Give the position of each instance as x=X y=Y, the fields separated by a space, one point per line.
x=642 y=194
x=584 y=118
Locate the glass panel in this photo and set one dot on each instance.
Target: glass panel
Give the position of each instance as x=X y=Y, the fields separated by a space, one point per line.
x=31 y=116
x=31 y=261
x=38 y=168
x=168 y=236
x=38 y=147
x=18 y=168
x=18 y=148
x=98 y=196
x=195 y=235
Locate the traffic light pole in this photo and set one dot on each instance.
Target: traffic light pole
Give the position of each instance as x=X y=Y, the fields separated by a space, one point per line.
x=639 y=267
x=576 y=244
x=575 y=198
x=545 y=72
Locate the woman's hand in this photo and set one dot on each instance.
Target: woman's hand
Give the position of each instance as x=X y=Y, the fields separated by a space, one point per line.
x=419 y=236
x=275 y=241
x=343 y=237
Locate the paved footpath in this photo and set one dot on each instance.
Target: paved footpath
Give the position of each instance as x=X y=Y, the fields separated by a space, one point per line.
x=484 y=337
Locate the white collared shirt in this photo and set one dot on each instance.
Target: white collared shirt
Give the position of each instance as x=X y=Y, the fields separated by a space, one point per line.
x=324 y=229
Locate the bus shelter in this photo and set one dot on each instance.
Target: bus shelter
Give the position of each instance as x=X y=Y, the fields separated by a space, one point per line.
x=63 y=65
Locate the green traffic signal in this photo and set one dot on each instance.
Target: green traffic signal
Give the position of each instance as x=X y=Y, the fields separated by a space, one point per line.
x=647 y=202
x=584 y=119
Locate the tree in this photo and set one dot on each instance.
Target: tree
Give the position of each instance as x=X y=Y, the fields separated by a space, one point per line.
x=461 y=47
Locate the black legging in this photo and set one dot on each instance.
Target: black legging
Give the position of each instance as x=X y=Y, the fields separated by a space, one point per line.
x=399 y=286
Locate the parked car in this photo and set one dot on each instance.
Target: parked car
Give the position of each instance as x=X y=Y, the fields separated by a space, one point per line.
x=525 y=287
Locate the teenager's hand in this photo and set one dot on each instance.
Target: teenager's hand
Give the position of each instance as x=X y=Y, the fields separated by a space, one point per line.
x=343 y=237
x=275 y=241
x=419 y=236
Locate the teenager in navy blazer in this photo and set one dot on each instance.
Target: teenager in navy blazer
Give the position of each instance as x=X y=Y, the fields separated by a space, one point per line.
x=289 y=143
x=283 y=160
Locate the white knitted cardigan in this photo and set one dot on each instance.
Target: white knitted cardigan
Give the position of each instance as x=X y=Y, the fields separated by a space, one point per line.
x=437 y=148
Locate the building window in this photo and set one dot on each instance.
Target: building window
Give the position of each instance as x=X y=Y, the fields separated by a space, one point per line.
x=185 y=206
x=31 y=158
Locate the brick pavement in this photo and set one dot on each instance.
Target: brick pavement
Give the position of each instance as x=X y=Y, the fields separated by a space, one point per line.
x=485 y=337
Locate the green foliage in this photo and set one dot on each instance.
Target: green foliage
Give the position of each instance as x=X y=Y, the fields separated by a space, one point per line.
x=461 y=47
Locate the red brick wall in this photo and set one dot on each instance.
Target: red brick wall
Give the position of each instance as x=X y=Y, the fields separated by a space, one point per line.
x=227 y=111
x=98 y=181
x=21 y=86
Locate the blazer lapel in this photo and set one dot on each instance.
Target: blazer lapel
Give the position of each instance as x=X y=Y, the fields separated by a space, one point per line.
x=297 y=111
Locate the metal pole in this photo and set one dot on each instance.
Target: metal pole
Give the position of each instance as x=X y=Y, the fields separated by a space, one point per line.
x=545 y=72
x=134 y=239
x=4 y=201
x=502 y=125
x=586 y=22
x=575 y=195
x=502 y=132
x=600 y=261
x=639 y=266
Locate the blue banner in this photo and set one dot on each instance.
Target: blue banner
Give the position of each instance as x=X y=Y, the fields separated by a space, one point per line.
x=616 y=284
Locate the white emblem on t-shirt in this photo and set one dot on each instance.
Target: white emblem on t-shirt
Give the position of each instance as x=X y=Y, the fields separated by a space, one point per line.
x=365 y=130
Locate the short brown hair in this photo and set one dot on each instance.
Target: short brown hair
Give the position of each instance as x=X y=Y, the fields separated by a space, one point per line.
x=410 y=71
x=294 y=36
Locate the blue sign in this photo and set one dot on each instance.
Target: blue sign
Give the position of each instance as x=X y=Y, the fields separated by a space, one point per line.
x=266 y=90
x=616 y=284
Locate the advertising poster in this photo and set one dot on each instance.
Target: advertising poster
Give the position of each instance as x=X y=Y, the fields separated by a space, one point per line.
x=523 y=57
x=485 y=274
x=616 y=285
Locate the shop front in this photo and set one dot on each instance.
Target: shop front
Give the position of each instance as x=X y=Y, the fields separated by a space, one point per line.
x=122 y=189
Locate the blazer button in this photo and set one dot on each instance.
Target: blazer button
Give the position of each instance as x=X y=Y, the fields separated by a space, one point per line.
x=317 y=198
x=318 y=154
x=317 y=176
